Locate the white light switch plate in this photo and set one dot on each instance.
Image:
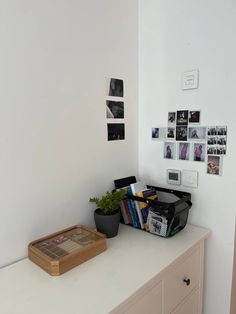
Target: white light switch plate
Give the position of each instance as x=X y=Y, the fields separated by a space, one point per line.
x=190 y=178
x=190 y=79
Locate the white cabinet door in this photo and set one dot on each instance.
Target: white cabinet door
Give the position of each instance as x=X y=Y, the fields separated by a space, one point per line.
x=150 y=303
x=190 y=306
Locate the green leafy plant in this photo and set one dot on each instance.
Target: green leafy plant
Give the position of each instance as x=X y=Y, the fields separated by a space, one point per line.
x=109 y=202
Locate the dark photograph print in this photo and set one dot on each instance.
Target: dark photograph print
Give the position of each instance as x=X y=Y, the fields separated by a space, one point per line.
x=155 y=133
x=211 y=130
x=171 y=118
x=181 y=133
x=221 y=130
x=169 y=150
x=116 y=131
x=197 y=133
x=182 y=117
x=171 y=133
x=199 y=152
x=116 y=87
x=115 y=109
x=194 y=117
x=214 y=165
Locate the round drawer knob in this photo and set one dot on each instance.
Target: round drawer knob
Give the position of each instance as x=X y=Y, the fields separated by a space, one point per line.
x=187 y=281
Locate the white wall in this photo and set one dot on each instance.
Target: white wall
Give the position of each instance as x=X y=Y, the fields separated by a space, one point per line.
x=176 y=36
x=54 y=58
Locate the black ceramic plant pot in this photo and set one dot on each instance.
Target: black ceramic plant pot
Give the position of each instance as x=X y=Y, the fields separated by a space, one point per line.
x=107 y=224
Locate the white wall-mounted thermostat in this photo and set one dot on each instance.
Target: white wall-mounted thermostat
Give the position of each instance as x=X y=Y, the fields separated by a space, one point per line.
x=173 y=176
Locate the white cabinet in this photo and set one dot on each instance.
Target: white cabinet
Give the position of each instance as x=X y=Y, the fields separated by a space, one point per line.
x=178 y=290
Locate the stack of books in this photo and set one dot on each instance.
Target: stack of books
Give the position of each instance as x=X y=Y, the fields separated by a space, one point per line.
x=140 y=214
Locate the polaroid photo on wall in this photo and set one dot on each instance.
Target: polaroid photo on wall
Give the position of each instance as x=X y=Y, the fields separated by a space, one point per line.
x=171 y=118
x=182 y=117
x=221 y=130
x=169 y=150
x=115 y=131
x=197 y=133
x=159 y=133
x=181 y=133
x=171 y=133
x=115 y=87
x=214 y=165
x=211 y=130
x=183 y=151
x=194 y=117
x=115 y=109
x=198 y=152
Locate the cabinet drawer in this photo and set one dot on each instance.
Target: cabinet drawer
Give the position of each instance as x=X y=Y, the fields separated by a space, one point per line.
x=149 y=303
x=175 y=288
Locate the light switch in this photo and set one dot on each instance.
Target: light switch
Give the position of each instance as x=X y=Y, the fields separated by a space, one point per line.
x=190 y=178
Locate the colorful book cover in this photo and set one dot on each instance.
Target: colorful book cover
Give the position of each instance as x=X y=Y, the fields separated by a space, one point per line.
x=135 y=188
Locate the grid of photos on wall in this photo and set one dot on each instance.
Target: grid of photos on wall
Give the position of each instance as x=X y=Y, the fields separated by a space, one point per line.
x=115 y=113
x=185 y=139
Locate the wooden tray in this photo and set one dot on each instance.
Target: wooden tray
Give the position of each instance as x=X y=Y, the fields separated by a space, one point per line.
x=63 y=250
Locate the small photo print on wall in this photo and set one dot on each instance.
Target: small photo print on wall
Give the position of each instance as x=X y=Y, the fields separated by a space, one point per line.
x=211 y=130
x=171 y=133
x=221 y=130
x=214 y=165
x=197 y=133
x=115 y=109
x=171 y=118
x=155 y=133
x=199 y=152
x=116 y=131
x=184 y=151
x=182 y=117
x=181 y=133
x=194 y=117
x=169 y=150
x=159 y=133
x=116 y=87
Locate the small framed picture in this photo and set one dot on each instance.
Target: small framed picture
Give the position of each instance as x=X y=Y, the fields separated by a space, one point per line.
x=169 y=150
x=116 y=131
x=182 y=117
x=199 y=152
x=214 y=165
x=171 y=118
x=194 y=117
x=171 y=133
x=115 y=109
x=197 y=133
x=181 y=133
x=184 y=151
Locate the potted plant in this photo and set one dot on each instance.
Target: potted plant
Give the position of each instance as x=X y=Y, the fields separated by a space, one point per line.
x=107 y=215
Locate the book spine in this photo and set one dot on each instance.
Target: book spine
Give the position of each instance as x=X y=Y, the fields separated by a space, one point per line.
x=123 y=212
x=127 y=211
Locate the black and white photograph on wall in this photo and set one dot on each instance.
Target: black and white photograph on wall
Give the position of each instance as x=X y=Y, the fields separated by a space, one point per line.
x=220 y=150
x=115 y=109
x=194 y=117
x=116 y=131
x=171 y=118
x=221 y=140
x=211 y=130
x=181 y=133
x=171 y=133
x=182 y=117
x=116 y=88
x=184 y=151
x=155 y=133
x=211 y=140
x=199 y=152
x=214 y=165
x=169 y=150
x=212 y=150
x=221 y=130
x=197 y=133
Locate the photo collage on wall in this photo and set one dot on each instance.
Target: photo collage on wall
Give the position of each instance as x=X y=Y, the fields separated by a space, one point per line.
x=115 y=109
x=185 y=139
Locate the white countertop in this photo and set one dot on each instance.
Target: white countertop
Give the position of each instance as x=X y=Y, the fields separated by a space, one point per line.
x=99 y=285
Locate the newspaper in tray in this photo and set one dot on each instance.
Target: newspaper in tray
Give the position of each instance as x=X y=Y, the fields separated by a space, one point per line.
x=157 y=224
